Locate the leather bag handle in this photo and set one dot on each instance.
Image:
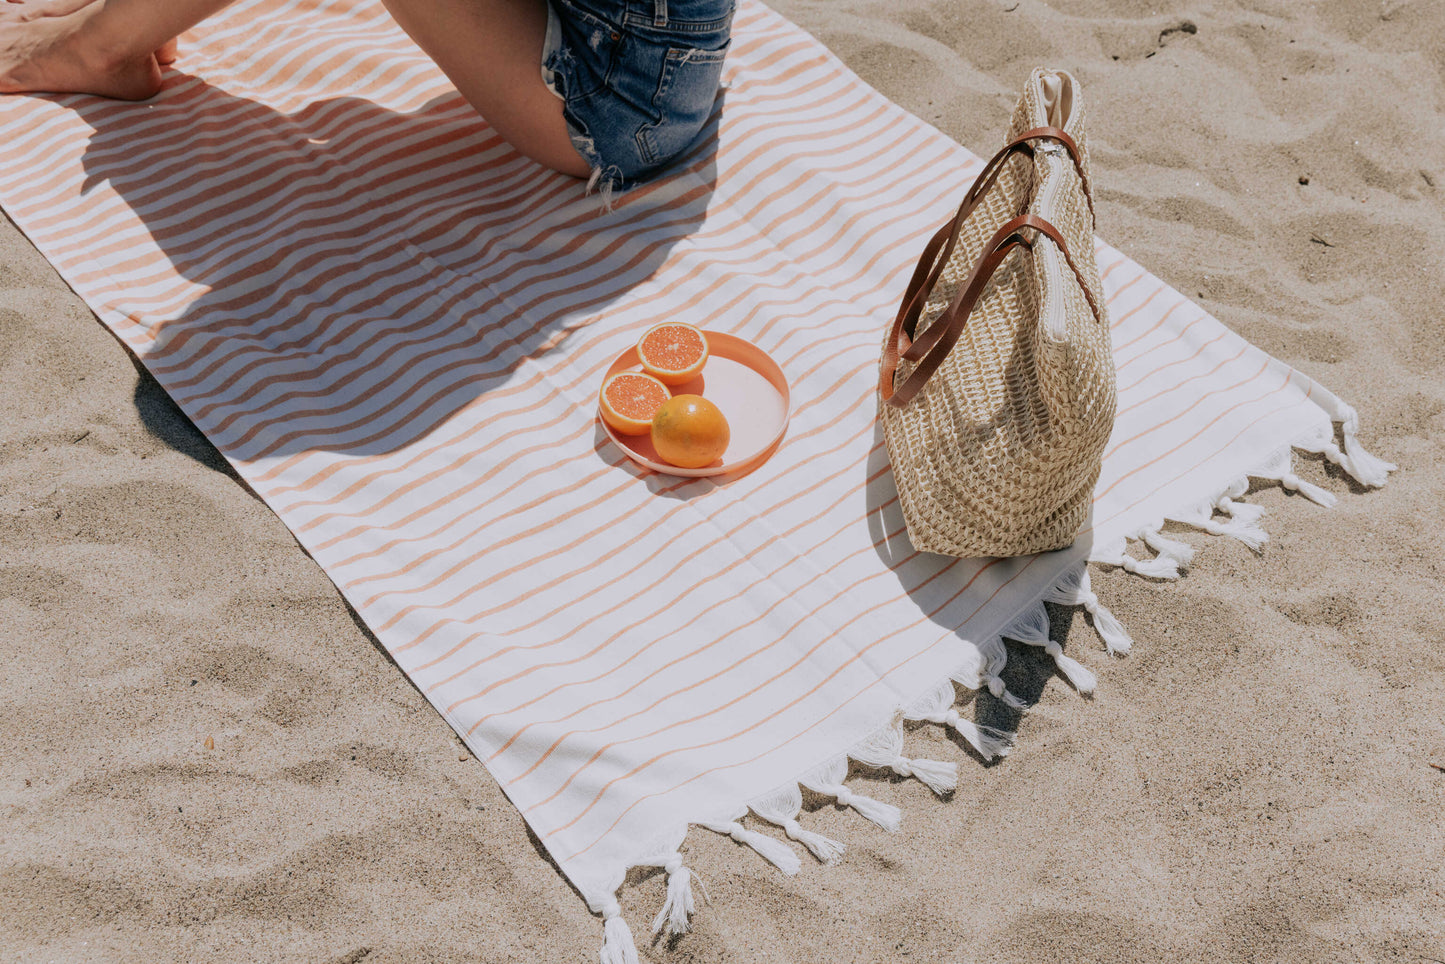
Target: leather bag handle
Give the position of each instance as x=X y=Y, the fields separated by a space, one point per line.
x=949 y=327
x=939 y=248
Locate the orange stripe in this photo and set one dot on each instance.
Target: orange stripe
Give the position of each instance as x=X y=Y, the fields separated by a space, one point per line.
x=881 y=680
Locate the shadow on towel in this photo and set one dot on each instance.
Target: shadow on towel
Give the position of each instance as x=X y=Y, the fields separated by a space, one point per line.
x=932 y=581
x=371 y=273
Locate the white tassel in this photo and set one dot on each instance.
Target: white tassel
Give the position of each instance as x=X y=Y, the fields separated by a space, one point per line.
x=618 y=946
x=1280 y=467
x=1182 y=553
x=827 y=779
x=1160 y=567
x=1116 y=638
x=938 y=776
x=1244 y=513
x=782 y=808
x=1363 y=467
x=936 y=706
x=1241 y=525
x=776 y=852
x=996 y=656
x=678 y=906
x=1246 y=532
x=824 y=848
x=1077 y=673
x=1075 y=589
x=1000 y=692
x=884 y=749
x=1032 y=627
x=988 y=741
x=1293 y=483
x=885 y=815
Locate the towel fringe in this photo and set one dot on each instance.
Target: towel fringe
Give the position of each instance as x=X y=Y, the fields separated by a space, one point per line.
x=828 y=780
x=1032 y=627
x=979 y=668
x=1074 y=589
x=678 y=906
x=1242 y=526
x=618 y=947
x=775 y=852
x=1357 y=463
x=1181 y=553
x=782 y=807
x=1244 y=513
x=992 y=657
x=884 y=750
x=825 y=848
x=936 y=706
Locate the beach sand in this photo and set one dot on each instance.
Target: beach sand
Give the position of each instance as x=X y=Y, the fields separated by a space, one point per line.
x=204 y=756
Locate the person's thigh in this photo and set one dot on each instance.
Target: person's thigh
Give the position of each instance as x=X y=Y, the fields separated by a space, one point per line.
x=491 y=50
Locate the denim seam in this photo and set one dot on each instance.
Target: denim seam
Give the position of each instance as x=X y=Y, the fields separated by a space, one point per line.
x=677 y=26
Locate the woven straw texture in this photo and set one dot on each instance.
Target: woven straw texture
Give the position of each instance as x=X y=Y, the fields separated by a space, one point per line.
x=999 y=453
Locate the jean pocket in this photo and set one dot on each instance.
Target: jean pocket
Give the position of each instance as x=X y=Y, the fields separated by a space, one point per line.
x=685 y=95
x=589 y=51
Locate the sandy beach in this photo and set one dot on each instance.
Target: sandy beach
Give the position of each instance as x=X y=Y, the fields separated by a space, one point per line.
x=206 y=756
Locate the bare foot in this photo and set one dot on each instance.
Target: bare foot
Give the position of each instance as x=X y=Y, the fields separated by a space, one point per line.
x=52 y=46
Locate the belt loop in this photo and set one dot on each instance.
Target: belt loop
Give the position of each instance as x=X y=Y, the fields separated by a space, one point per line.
x=659 y=13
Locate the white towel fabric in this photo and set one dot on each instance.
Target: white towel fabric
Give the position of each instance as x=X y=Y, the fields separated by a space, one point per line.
x=394 y=328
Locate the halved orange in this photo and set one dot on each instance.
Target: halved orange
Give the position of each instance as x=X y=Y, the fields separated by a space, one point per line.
x=628 y=400
x=672 y=352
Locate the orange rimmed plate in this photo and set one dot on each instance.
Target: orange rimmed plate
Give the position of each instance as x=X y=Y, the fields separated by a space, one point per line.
x=740 y=379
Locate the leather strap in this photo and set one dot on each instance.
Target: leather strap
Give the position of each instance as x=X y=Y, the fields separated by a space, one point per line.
x=945 y=332
x=940 y=247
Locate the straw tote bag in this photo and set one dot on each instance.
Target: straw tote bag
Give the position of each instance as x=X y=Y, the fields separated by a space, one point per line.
x=997 y=384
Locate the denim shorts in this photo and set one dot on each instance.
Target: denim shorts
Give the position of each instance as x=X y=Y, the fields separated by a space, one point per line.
x=637 y=78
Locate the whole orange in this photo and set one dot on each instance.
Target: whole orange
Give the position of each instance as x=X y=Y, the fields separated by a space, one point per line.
x=689 y=431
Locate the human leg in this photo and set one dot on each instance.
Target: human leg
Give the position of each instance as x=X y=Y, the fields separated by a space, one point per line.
x=114 y=48
x=491 y=51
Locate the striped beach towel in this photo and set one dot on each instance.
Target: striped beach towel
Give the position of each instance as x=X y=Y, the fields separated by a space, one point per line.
x=394 y=327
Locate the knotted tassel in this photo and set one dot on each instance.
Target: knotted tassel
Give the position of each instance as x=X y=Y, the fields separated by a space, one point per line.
x=988 y=741
x=884 y=749
x=1076 y=672
x=936 y=706
x=775 y=852
x=1182 y=553
x=936 y=775
x=1075 y=589
x=1242 y=526
x=679 y=904
x=1363 y=467
x=1241 y=512
x=999 y=691
x=1032 y=627
x=1280 y=467
x=1317 y=495
x=1160 y=567
x=1116 y=553
x=885 y=815
x=618 y=946
x=828 y=778
x=824 y=848
x=782 y=808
